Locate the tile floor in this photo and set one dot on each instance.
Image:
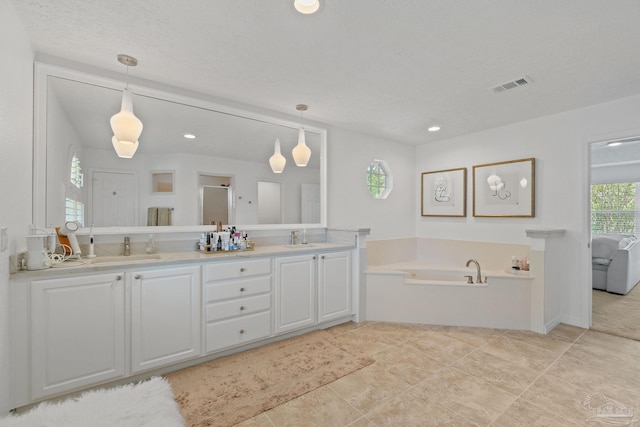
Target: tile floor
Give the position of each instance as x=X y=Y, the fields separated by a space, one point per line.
x=435 y=375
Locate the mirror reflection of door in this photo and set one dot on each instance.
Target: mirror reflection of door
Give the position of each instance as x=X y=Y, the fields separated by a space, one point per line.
x=310 y=203
x=113 y=199
x=269 y=202
x=216 y=200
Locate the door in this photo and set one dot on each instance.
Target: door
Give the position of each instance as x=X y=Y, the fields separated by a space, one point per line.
x=165 y=316
x=334 y=285
x=78 y=332
x=295 y=292
x=113 y=199
x=310 y=203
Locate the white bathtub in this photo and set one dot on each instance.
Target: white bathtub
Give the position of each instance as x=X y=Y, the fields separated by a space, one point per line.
x=416 y=293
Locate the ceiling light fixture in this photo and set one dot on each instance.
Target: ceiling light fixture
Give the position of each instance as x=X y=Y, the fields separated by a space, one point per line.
x=277 y=161
x=125 y=125
x=434 y=129
x=614 y=143
x=301 y=153
x=306 y=7
x=189 y=136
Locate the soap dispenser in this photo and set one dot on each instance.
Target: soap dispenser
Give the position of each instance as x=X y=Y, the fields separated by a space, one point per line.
x=151 y=245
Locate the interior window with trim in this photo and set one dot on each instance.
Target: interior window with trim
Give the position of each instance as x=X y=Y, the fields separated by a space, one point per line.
x=379 y=179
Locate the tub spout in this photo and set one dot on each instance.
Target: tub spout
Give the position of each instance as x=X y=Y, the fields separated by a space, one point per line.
x=479 y=277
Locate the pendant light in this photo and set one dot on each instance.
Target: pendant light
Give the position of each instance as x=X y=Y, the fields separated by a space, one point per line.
x=277 y=161
x=301 y=153
x=306 y=7
x=125 y=125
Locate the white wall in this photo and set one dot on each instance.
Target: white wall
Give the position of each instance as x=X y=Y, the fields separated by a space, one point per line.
x=16 y=106
x=560 y=145
x=350 y=204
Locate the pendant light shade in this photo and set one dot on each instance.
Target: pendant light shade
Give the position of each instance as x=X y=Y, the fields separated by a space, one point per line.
x=125 y=125
x=301 y=153
x=277 y=161
x=306 y=7
x=126 y=128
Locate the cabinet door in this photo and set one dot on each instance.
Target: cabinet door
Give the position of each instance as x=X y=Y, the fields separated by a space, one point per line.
x=77 y=332
x=295 y=300
x=165 y=316
x=334 y=285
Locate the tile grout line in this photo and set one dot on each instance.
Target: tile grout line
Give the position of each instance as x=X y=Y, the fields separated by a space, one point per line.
x=544 y=371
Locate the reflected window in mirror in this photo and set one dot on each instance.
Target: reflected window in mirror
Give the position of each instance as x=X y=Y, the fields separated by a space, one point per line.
x=74 y=201
x=379 y=179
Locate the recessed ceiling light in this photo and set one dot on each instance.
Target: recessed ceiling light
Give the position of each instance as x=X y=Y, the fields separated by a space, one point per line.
x=614 y=143
x=306 y=7
x=434 y=129
x=189 y=136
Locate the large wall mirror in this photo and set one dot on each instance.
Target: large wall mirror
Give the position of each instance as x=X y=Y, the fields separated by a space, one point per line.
x=77 y=172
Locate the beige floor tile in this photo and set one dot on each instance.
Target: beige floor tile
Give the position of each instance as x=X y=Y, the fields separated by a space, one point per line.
x=567 y=333
x=413 y=409
x=509 y=376
x=361 y=344
x=611 y=343
x=543 y=341
x=440 y=346
x=408 y=364
x=258 y=421
x=361 y=422
x=469 y=335
x=559 y=398
x=521 y=353
x=321 y=407
x=466 y=395
x=369 y=387
x=523 y=414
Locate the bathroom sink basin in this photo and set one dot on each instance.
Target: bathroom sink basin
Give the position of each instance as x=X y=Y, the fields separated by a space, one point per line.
x=124 y=259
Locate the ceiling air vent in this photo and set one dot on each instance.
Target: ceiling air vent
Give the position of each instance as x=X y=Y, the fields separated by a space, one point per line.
x=512 y=84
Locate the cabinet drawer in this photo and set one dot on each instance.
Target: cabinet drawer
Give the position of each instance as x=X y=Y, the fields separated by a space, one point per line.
x=238 y=288
x=240 y=306
x=233 y=332
x=235 y=269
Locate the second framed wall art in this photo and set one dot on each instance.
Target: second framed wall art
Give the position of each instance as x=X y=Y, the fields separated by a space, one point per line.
x=504 y=189
x=444 y=193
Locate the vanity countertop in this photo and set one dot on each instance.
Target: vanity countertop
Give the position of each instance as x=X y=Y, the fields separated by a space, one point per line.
x=110 y=263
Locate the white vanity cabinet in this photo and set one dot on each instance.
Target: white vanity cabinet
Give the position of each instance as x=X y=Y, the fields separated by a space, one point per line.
x=165 y=316
x=295 y=292
x=77 y=332
x=334 y=285
x=237 y=297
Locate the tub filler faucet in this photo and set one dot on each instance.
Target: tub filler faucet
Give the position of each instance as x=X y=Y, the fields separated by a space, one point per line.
x=479 y=276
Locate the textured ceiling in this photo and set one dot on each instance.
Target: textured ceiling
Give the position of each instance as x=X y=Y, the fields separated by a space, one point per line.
x=389 y=68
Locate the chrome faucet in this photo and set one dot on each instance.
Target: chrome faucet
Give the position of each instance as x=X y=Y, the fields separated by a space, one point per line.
x=294 y=237
x=127 y=246
x=479 y=277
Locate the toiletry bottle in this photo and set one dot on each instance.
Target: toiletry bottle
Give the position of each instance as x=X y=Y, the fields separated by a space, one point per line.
x=219 y=244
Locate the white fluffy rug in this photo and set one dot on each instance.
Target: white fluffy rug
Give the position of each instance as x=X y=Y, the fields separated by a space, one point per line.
x=148 y=403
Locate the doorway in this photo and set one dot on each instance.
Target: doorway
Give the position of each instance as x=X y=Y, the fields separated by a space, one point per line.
x=215 y=202
x=614 y=214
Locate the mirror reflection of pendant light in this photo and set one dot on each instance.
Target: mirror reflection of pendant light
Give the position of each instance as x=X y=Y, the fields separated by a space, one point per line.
x=301 y=153
x=125 y=125
x=307 y=7
x=277 y=161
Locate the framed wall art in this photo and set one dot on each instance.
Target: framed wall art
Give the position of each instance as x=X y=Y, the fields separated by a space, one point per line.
x=504 y=189
x=444 y=193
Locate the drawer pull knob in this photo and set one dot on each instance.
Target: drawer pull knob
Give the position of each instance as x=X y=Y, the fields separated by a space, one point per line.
x=118 y=278
x=241 y=269
x=241 y=307
x=314 y=257
x=241 y=289
x=322 y=257
x=241 y=331
x=138 y=277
